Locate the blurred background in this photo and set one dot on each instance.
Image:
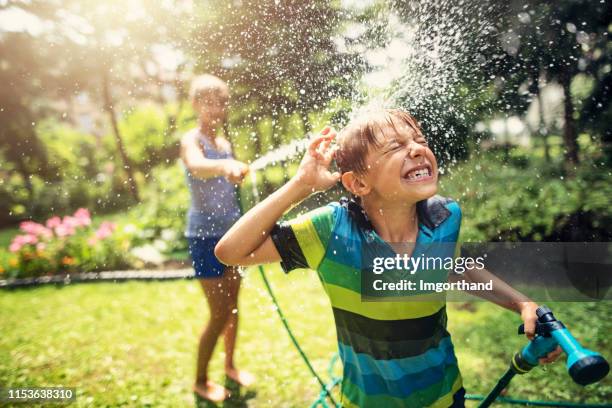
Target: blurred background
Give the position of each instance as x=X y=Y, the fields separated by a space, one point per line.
x=514 y=97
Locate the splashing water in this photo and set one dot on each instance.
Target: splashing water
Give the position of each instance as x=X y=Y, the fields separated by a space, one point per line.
x=427 y=49
x=280 y=154
x=432 y=48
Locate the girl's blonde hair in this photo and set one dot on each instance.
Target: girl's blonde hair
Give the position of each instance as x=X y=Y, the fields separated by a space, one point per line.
x=206 y=86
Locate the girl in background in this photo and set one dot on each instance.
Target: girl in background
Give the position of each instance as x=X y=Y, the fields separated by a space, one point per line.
x=212 y=175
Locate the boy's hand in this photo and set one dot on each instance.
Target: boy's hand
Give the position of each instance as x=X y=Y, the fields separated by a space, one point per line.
x=235 y=171
x=529 y=316
x=313 y=172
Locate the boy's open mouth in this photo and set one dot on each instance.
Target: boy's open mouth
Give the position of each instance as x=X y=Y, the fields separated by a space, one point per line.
x=417 y=173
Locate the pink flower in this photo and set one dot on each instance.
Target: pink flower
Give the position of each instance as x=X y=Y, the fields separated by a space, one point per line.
x=20 y=240
x=64 y=230
x=15 y=246
x=35 y=228
x=93 y=240
x=83 y=217
x=106 y=229
x=30 y=238
x=30 y=227
x=82 y=213
x=71 y=222
x=53 y=222
x=41 y=246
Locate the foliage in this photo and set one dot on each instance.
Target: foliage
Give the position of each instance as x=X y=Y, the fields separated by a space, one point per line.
x=83 y=168
x=82 y=174
x=528 y=199
x=253 y=46
x=539 y=41
x=161 y=218
x=502 y=54
x=73 y=58
x=148 y=137
x=66 y=245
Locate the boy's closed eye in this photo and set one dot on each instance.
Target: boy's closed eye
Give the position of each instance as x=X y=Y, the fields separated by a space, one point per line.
x=396 y=145
x=393 y=146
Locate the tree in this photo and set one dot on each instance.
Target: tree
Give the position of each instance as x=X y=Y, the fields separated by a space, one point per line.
x=107 y=51
x=555 y=42
x=279 y=57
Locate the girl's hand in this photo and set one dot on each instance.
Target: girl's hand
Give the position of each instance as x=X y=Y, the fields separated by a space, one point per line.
x=313 y=172
x=235 y=171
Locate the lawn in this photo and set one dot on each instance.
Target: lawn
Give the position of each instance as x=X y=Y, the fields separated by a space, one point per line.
x=133 y=344
x=6 y=236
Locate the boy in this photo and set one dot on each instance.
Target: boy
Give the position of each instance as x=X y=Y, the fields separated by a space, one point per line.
x=394 y=353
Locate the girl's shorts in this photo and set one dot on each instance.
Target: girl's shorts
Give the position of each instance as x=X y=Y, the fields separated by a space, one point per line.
x=205 y=262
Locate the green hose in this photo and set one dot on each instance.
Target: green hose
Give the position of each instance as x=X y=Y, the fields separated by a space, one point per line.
x=538 y=403
x=325 y=388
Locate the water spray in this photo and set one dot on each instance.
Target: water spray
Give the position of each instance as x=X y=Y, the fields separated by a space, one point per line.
x=282 y=153
x=584 y=366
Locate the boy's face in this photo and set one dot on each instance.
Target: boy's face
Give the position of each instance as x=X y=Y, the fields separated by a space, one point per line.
x=404 y=168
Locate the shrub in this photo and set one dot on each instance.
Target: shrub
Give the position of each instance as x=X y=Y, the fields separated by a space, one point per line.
x=66 y=245
x=527 y=199
x=161 y=217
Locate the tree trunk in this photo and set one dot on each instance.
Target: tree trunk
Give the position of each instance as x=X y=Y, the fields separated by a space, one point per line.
x=569 y=126
x=542 y=130
x=108 y=106
x=506 y=145
x=171 y=120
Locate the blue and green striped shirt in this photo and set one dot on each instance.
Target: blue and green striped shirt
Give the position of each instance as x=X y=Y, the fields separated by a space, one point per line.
x=395 y=354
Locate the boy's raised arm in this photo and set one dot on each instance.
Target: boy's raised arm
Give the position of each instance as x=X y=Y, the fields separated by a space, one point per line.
x=248 y=241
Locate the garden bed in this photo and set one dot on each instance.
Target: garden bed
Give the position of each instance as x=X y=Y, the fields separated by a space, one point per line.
x=92 y=277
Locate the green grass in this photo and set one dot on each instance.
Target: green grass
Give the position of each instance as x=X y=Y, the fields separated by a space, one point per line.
x=133 y=344
x=6 y=236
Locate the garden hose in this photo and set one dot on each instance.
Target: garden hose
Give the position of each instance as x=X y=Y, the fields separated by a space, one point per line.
x=325 y=388
x=538 y=403
x=584 y=366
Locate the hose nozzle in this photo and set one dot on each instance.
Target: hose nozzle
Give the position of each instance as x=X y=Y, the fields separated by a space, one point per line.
x=584 y=366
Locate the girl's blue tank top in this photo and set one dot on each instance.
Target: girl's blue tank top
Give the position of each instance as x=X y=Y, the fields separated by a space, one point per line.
x=214 y=202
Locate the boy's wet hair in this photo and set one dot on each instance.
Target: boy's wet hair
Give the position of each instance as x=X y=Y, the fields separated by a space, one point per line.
x=206 y=86
x=369 y=130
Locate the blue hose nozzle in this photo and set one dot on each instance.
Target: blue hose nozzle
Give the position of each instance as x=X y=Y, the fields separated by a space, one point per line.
x=584 y=366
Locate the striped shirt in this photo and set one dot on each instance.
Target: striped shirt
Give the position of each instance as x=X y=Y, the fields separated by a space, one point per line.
x=394 y=353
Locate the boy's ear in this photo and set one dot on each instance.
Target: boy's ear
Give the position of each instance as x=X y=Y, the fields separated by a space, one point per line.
x=354 y=184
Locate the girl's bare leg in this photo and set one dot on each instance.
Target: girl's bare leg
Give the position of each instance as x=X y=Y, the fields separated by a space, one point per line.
x=232 y=283
x=217 y=296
